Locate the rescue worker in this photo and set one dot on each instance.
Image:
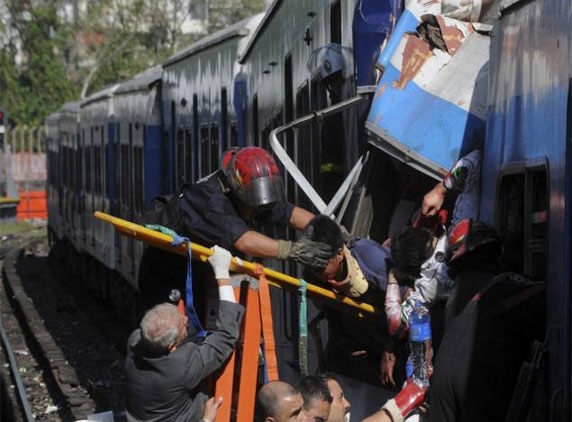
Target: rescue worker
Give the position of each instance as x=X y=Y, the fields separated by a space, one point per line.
x=278 y=401
x=317 y=398
x=165 y=370
x=228 y=208
x=492 y=319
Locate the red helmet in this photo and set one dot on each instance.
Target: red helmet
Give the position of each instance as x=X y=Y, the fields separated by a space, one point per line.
x=467 y=236
x=253 y=176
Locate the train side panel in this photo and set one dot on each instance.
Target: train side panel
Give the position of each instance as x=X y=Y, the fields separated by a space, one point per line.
x=526 y=174
x=97 y=131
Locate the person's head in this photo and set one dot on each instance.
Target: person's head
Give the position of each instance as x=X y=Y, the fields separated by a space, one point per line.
x=253 y=176
x=326 y=230
x=410 y=248
x=340 y=407
x=163 y=328
x=278 y=401
x=317 y=398
x=473 y=245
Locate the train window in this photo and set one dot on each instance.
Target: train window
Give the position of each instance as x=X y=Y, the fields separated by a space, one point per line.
x=188 y=155
x=288 y=96
x=523 y=205
x=214 y=148
x=255 y=127
x=195 y=144
x=139 y=182
x=165 y=161
x=181 y=154
x=233 y=134
x=336 y=22
x=204 y=151
x=117 y=169
x=224 y=118
x=88 y=170
x=125 y=175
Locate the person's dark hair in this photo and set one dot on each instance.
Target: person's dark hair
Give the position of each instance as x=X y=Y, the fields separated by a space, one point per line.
x=268 y=399
x=326 y=230
x=410 y=248
x=314 y=387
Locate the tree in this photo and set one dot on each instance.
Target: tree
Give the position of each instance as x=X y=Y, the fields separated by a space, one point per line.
x=38 y=85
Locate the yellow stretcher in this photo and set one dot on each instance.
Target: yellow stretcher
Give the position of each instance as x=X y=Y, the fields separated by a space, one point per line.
x=275 y=278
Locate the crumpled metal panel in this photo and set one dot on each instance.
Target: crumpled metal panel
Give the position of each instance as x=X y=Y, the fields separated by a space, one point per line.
x=429 y=105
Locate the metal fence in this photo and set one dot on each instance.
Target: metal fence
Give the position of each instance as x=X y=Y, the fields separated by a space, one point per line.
x=24 y=155
x=23 y=169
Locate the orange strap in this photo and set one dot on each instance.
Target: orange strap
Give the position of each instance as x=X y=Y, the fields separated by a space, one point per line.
x=249 y=363
x=267 y=326
x=225 y=381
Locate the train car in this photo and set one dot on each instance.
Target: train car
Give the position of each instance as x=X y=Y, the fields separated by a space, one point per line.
x=198 y=94
x=134 y=166
x=509 y=94
x=62 y=138
x=53 y=156
x=97 y=129
x=526 y=174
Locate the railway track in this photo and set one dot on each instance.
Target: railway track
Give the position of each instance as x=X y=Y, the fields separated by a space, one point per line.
x=67 y=360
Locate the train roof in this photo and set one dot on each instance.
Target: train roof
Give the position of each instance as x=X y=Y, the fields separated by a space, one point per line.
x=265 y=21
x=53 y=116
x=141 y=81
x=106 y=92
x=239 y=29
x=71 y=107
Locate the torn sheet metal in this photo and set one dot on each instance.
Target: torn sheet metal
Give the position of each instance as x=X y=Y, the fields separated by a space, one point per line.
x=430 y=102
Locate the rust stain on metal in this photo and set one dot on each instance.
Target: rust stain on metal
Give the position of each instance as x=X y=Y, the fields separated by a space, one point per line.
x=415 y=54
x=452 y=35
x=380 y=90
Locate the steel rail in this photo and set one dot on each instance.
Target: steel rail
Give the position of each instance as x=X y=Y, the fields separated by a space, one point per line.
x=22 y=395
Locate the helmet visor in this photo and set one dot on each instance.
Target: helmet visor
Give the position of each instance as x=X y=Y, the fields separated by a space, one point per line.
x=263 y=191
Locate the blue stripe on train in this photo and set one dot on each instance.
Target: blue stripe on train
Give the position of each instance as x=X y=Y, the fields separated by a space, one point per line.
x=436 y=129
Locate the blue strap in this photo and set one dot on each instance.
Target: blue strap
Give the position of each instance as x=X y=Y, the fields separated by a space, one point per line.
x=189 y=302
x=303 y=338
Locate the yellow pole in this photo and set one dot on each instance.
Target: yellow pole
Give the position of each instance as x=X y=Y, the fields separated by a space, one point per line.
x=275 y=278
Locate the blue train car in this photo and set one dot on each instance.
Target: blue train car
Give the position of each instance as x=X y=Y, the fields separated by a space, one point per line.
x=134 y=164
x=527 y=165
x=199 y=118
x=97 y=131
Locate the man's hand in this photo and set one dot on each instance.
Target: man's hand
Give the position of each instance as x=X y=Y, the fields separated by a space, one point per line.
x=306 y=251
x=433 y=200
x=220 y=261
x=386 y=367
x=211 y=407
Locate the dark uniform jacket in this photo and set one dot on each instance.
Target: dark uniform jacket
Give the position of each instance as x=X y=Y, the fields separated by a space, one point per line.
x=167 y=387
x=206 y=213
x=487 y=337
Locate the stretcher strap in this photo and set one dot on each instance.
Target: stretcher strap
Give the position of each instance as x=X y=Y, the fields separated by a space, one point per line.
x=267 y=325
x=303 y=338
x=191 y=311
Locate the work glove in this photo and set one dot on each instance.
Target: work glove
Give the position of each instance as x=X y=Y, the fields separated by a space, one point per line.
x=409 y=398
x=220 y=261
x=306 y=251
